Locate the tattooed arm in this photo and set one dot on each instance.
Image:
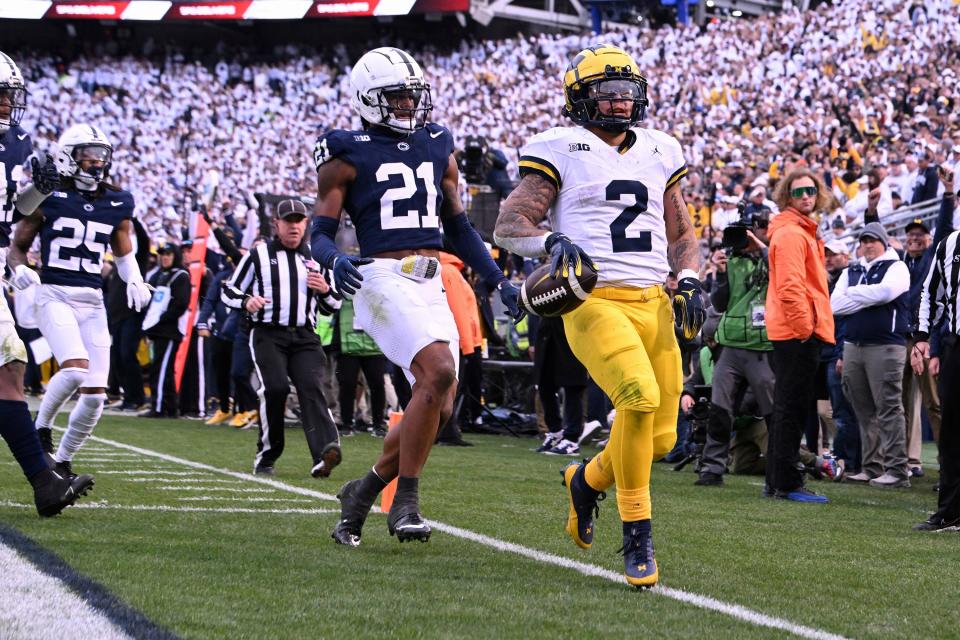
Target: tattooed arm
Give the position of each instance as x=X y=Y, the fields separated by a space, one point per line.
x=683 y=250
x=521 y=212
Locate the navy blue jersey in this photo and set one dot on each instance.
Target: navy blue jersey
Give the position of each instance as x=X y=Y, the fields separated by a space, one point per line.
x=394 y=202
x=76 y=235
x=15 y=148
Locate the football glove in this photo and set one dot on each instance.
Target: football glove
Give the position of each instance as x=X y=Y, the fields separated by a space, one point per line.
x=510 y=296
x=46 y=178
x=565 y=254
x=688 y=312
x=138 y=295
x=346 y=275
x=24 y=277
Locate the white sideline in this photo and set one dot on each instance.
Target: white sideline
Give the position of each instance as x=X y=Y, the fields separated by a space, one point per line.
x=34 y=605
x=704 y=602
x=163 y=507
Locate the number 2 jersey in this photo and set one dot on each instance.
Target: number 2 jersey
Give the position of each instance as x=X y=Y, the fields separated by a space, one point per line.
x=15 y=149
x=394 y=202
x=76 y=232
x=609 y=199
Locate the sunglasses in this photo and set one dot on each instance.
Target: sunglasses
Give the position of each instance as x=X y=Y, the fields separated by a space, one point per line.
x=803 y=191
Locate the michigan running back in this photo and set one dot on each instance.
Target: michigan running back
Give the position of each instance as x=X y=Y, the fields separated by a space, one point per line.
x=611 y=191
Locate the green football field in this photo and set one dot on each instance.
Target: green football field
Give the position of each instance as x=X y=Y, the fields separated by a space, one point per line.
x=179 y=533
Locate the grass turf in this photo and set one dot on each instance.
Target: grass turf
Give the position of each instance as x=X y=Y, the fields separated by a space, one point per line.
x=852 y=567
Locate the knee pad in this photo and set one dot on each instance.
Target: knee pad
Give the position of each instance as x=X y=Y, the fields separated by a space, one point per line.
x=73 y=377
x=663 y=444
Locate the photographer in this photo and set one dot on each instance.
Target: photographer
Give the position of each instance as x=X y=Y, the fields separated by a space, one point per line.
x=481 y=165
x=739 y=293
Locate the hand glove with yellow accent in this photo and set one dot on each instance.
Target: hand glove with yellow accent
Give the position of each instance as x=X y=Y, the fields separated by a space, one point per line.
x=565 y=254
x=688 y=312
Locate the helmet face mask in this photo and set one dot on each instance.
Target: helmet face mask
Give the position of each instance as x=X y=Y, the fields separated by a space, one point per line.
x=84 y=154
x=13 y=94
x=389 y=90
x=598 y=81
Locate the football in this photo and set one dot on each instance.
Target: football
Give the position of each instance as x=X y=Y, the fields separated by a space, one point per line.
x=544 y=295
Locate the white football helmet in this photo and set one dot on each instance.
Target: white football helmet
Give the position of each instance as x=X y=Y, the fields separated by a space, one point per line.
x=386 y=75
x=83 y=142
x=13 y=93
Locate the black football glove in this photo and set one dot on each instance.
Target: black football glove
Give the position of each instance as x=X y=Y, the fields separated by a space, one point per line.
x=565 y=254
x=46 y=178
x=346 y=275
x=688 y=312
x=510 y=296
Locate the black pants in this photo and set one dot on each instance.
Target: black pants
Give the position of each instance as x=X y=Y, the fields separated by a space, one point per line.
x=294 y=352
x=222 y=359
x=794 y=363
x=348 y=370
x=471 y=386
x=193 y=384
x=241 y=368
x=948 y=502
x=163 y=387
x=126 y=341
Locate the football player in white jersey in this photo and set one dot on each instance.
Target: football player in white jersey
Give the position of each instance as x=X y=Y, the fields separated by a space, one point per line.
x=611 y=192
x=83 y=219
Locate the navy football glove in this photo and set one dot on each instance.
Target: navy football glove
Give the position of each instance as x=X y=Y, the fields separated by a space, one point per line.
x=510 y=296
x=46 y=178
x=565 y=254
x=688 y=312
x=346 y=275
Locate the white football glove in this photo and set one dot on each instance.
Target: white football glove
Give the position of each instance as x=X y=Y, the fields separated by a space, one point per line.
x=24 y=277
x=138 y=295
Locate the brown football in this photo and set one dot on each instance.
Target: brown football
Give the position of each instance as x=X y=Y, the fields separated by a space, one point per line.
x=544 y=295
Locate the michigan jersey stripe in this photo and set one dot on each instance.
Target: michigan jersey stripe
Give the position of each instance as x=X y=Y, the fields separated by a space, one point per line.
x=532 y=164
x=679 y=173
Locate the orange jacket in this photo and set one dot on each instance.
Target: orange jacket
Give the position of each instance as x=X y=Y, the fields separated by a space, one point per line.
x=798 y=299
x=462 y=302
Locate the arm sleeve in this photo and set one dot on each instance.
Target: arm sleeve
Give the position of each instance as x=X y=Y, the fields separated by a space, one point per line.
x=470 y=247
x=236 y=289
x=323 y=240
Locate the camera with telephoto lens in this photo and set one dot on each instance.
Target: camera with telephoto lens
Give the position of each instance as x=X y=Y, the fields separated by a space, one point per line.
x=473 y=160
x=735 y=234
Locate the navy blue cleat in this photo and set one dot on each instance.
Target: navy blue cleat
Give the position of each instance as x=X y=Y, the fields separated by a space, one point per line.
x=583 y=504
x=639 y=563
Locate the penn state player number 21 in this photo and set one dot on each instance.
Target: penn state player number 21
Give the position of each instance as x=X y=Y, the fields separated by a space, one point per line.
x=642 y=242
x=390 y=218
x=72 y=233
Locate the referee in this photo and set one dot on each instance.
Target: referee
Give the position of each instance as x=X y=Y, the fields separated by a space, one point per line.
x=280 y=286
x=939 y=298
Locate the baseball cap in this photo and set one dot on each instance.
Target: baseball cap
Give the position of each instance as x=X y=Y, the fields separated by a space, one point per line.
x=291 y=209
x=917 y=223
x=875 y=230
x=836 y=247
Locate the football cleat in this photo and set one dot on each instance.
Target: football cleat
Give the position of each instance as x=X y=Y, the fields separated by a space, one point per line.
x=583 y=504
x=218 y=417
x=65 y=469
x=264 y=470
x=639 y=563
x=405 y=521
x=329 y=458
x=353 y=513
x=60 y=492
x=565 y=448
x=550 y=441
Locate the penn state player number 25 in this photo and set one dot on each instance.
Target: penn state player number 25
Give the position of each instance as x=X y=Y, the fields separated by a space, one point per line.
x=73 y=232
x=642 y=242
x=390 y=217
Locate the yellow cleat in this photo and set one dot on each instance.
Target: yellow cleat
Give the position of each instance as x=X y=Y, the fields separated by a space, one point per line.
x=583 y=505
x=241 y=420
x=218 y=417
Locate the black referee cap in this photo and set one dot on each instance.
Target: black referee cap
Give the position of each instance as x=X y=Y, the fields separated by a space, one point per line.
x=291 y=209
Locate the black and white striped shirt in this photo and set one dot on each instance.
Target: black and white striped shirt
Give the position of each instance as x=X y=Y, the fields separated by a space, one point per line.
x=941 y=289
x=278 y=274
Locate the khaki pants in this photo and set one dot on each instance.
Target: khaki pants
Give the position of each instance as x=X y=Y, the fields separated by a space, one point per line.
x=917 y=389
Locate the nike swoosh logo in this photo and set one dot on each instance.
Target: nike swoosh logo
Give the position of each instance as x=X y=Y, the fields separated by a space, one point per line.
x=436 y=134
x=22 y=137
x=115 y=204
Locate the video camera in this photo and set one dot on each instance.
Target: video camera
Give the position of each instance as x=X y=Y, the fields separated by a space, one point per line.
x=699 y=420
x=735 y=234
x=473 y=160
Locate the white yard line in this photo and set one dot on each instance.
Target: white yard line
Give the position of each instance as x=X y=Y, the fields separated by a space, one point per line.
x=704 y=602
x=175 y=481
x=162 y=507
x=36 y=605
x=159 y=472
x=228 y=499
x=225 y=489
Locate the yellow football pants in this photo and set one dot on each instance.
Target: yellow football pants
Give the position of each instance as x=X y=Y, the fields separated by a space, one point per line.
x=625 y=338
